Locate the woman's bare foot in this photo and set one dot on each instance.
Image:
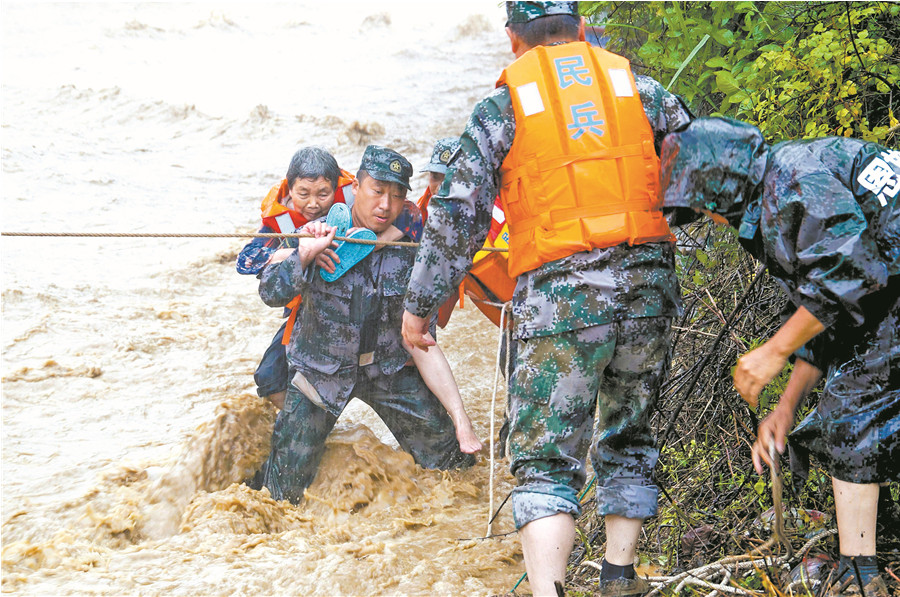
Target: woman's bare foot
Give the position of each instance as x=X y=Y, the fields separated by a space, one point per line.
x=468 y=441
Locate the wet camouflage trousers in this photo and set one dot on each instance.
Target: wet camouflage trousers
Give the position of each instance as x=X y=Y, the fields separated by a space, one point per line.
x=414 y=415
x=855 y=429
x=560 y=381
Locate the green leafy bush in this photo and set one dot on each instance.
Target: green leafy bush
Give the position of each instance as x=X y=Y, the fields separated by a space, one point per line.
x=794 y=69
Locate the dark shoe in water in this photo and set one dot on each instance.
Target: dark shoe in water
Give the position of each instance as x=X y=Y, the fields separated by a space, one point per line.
x=849 y=586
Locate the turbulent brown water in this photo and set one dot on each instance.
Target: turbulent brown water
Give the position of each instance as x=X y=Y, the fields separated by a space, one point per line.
x=129 y=416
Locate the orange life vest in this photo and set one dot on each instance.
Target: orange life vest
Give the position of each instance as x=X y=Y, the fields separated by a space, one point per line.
x=423 y=202
x=281 y=218
x=582 y=172
x=488 y=280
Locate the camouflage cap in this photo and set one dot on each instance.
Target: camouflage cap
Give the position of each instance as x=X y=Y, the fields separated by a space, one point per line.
x=386 y=165
x=443 y=151
x=714 y=164
x=523 y=12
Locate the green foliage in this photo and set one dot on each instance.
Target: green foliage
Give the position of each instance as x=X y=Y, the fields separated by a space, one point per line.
x=586 y=544
x=794 y=69
x=723 y=251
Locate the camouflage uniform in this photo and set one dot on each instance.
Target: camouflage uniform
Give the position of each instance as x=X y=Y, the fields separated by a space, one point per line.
x=347 y=343
x=823 y=215
x=582 y=325
x=271 y=376
x=256 y=254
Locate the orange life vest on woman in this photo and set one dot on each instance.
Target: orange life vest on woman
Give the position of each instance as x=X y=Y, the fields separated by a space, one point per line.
x=582 y=172
x=281 y=218
x=423 y=202
x=488 y=281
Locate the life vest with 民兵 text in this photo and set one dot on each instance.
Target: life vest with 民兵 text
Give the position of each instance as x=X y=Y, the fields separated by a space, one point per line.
x=277 y=215
x=582 y=172
x=280 y=218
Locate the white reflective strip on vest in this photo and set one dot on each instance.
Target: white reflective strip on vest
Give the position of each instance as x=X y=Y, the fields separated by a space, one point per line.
x=498 y=215
x=348 y=194
x=530 y=99
x=285 y=223
x=621 y=82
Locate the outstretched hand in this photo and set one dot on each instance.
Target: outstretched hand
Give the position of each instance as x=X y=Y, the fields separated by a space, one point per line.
x=415 y=331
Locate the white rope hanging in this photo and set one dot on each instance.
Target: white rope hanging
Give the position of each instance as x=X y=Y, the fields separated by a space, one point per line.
x=503 y=330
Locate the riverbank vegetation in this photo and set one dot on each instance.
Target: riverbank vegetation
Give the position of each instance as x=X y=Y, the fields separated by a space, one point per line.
x=795 y=70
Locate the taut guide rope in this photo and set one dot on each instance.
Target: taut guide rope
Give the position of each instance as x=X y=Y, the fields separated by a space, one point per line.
x=223 y=235
x=504 y=307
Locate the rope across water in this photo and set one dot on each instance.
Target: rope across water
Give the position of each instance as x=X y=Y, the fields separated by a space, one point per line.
x=220 y=235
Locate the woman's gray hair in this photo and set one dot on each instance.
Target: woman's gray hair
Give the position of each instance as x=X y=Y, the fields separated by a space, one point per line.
x=313 y=162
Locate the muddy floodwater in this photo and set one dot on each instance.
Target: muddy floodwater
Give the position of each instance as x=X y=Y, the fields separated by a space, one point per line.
x=129 y=413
